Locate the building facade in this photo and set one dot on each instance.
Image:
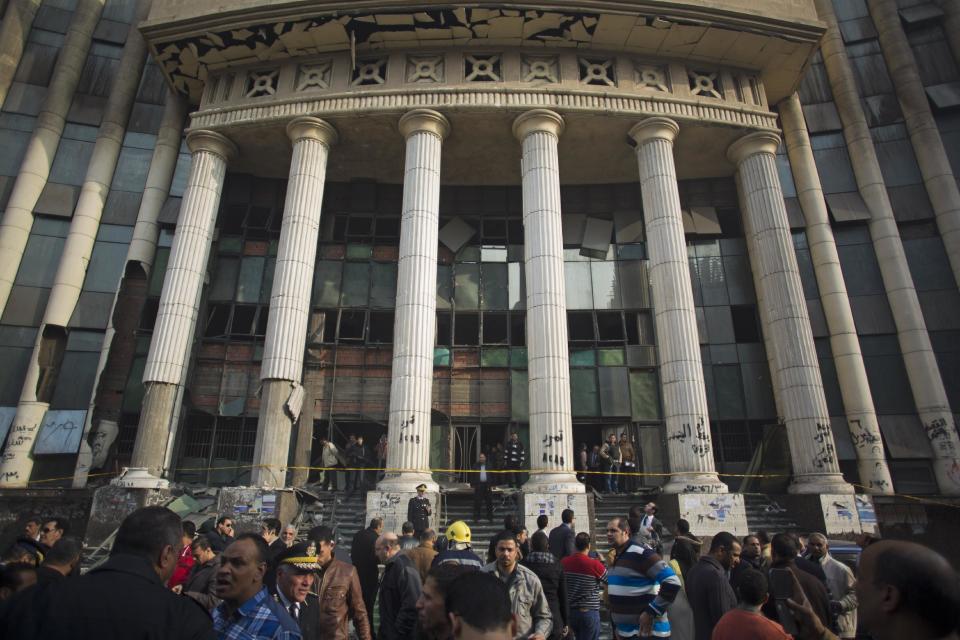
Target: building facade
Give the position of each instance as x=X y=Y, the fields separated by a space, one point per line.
x=232 y=229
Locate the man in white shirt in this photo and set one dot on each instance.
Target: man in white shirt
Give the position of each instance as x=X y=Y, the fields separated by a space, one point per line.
x=480 y=479
x=840 y=582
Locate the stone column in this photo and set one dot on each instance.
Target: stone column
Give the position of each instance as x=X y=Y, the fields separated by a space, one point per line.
x=177 y=317
x=42 y=148
x=854 y=386
x=804 y=405
x=17 y=20
x=78 y=248
x=143 y=246
x=924 y=136
x=923 y=372
x=551 y=432
x=689 y=445
x=281 y=372
x=414 y=328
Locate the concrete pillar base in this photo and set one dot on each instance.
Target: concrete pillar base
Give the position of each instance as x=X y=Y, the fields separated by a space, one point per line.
x=139 y=478
x=694 y=483
x=707 y=513
x=820 y=484
x=112 y=503
x=392 y=506
x=552 y=504
x=248 y=506
x=559 y=482
x=407 y=481
x=153 y=433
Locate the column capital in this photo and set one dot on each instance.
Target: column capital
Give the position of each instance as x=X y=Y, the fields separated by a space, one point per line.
x=537 y=120
x=212 y=142
x=424 y=120
x=656 y=127
x=757 y=142
x=312 y=128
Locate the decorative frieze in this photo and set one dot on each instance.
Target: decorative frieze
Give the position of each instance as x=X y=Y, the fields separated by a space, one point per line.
x=540 y=69
x=654 y=77
x=372 y=71
x=705 y=84
x=315 y=76
x=262 y=83
x=425 y=69
x=482 y=68
x=597 y=71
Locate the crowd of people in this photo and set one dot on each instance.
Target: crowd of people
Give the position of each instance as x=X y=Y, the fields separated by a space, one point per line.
x=164 y=579
x=606 y=467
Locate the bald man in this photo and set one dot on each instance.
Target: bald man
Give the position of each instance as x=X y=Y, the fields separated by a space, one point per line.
x=907 y=591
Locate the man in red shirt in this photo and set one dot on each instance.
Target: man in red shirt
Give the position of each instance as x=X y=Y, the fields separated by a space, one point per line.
x=185 y=559
x=585 y=579
x=746 y=622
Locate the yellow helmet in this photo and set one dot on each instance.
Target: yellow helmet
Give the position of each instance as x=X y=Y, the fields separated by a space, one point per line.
x=458 y=532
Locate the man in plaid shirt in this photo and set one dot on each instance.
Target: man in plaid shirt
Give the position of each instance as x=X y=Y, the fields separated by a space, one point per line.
x=247 y=610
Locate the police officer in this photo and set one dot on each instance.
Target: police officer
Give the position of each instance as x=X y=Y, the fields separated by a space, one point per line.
x=418 y=510
x=296 y=573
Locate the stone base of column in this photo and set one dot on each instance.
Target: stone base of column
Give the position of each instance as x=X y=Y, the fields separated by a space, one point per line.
x=552 y=504
x=150 y=447
x=560 y=482
x=139 y=478
x=820 y=484
x=111 y=504
x=947 y=473
x=248 y=506
x=17 y=462
x=392 y=506
x=694 y=483
x=708 y=513
x=407 y=481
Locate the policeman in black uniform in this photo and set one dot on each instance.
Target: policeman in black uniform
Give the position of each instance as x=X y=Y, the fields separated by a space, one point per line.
x=418 y=510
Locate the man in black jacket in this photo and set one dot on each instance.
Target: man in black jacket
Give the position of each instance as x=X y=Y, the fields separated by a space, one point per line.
x=708 y=589
x=562 y=536
x=783 y=555
x=514 y=457
x=123 y=598
x=399 y=591
x=222 y=535
x=200 y=584
x=363 y=557
x=481 y=480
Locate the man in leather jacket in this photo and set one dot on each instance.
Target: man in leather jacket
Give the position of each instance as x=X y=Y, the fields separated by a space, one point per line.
x=323 y=592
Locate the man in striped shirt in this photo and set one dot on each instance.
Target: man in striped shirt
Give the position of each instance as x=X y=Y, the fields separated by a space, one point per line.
x=585 y=578
x=642 y=586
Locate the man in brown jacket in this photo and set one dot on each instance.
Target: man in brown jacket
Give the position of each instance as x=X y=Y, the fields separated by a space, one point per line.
x=325 y=612
x=424 y=554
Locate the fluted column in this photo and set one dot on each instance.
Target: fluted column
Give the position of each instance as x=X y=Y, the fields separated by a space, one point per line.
x=42 y=148
x=281 y=371
x=179 y=299
x=804 y=405
x=854 y=386
x=923 y=372
x=143 y=246
x=689 y=445
x=17 y=20
x=414 y=328
x=551 y=431
x=924 y=135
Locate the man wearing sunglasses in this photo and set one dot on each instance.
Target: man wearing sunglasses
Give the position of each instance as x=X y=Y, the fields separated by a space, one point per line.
x=222 y=535
x=53 y=530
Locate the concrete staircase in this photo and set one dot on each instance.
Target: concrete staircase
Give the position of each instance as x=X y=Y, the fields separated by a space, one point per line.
x=346 y=515
x=458 y=505
x=607 y=507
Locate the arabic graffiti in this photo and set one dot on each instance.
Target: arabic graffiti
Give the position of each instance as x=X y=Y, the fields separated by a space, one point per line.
x=408 y=437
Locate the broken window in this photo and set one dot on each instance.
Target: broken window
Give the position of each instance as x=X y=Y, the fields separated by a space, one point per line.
x=495 y=328
x=580 y=326
x=466 y=329
x=381 y=327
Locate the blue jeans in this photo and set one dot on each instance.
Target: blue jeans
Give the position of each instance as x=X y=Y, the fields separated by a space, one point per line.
x=612 y=478
x=585 y=624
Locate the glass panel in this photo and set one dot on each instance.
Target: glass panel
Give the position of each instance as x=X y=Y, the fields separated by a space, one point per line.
x=77 y=375
x=40 y=259
x=644 y=395
x=359 y=251
x=326 y=283
x=632 y=252
x=517 y=286
x=494 y=281
x=584 y=399
x=251 y=278
x=444 y=286
x=114 y=233
x=729 y=391
x=636 y=288
x=519 y=395
x=518 y=357
x=230 y=244
x=606 y=285
x=712 y=281
x=15 y=361
x=614 y=391
x=267 y=285
x=356 y=284
x=467 y=286
x=583 y=358
x=441 y=356
x=496 y=357
x=60 y=431
x=610 y=357
x=383 y=288
x=70 y=163
x=106 y=265
x=158 y=271
x=719 y=324
x=132 y=168
x=578 y=284
x=493 y=254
